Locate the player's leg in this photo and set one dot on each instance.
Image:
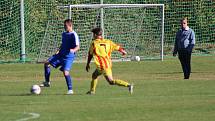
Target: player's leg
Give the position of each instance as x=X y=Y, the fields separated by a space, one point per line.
x=55 y=62
x=66 y=67
x=108 y=76
x=94 y=81
x=47 y=72
x=68 y=81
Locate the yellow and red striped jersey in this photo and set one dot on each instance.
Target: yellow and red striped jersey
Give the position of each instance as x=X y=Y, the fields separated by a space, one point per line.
x=101 y=50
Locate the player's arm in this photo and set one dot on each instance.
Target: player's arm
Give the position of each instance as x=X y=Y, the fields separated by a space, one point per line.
x=89 y=58
x=119 y=48
x=58 y=50
x=75 y=49
x=122 y=51
x=77 y=42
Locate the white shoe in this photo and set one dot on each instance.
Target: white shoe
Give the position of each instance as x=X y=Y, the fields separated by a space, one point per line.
x=131 y=88
x=45 y=84
x=70 y=92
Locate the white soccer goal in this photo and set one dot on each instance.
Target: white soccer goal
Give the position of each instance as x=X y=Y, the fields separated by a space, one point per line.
x=139 y=28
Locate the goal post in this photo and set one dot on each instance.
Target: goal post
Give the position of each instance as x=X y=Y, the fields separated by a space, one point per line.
x=139 y=28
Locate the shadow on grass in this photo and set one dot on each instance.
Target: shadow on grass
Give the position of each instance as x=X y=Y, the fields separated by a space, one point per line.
x=26 y=94
x=29 y=94
x=177 y=72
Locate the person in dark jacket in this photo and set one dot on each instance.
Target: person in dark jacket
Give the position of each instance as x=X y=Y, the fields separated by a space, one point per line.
x=184 y=43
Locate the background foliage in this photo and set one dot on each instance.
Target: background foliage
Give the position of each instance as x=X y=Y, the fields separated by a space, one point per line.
x=37 y=13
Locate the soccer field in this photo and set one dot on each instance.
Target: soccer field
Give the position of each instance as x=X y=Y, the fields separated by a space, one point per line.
x=160 y=93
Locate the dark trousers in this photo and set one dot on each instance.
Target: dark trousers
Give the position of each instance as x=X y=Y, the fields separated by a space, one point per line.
x=185 y=57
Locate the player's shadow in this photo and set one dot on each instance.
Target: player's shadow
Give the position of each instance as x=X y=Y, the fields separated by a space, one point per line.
x=29 y=94
x=176 y=72
x=165 y=73
x=24 y=94
x=66 y=94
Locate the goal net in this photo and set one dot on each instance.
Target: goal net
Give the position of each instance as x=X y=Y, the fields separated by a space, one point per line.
x=139 y=28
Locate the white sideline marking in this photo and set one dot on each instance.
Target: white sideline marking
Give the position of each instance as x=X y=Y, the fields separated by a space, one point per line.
x=33 y=116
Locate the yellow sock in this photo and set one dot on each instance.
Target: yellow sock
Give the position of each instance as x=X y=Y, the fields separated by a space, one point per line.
x=121 y=82
x=93 y=85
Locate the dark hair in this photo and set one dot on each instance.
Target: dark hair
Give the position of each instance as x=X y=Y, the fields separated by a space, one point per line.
x=97 y=31
x=68 y=21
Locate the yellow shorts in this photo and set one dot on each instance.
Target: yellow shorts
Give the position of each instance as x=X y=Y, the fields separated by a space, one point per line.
x=105 y=72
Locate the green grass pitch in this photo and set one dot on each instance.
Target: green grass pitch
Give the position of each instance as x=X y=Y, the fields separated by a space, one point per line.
x=160 y=93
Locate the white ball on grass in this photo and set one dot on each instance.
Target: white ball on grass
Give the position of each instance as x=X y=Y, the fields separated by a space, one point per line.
x=35 y=89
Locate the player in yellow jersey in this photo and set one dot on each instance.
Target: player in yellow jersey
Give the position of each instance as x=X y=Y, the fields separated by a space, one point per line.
x=101 y=49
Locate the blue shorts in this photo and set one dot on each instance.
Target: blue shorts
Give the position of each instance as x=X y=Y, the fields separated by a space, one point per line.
x=64 y=61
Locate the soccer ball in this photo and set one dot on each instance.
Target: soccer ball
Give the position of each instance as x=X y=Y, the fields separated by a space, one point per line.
x=137 y=58
x=35 y=89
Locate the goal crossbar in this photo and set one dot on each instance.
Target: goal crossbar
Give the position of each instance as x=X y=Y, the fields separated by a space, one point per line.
x=110 y=5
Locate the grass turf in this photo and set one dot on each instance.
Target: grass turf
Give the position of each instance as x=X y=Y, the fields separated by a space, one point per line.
x=160 y=93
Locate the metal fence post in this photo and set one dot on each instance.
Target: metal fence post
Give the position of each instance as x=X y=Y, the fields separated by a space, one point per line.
x=22 y=53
